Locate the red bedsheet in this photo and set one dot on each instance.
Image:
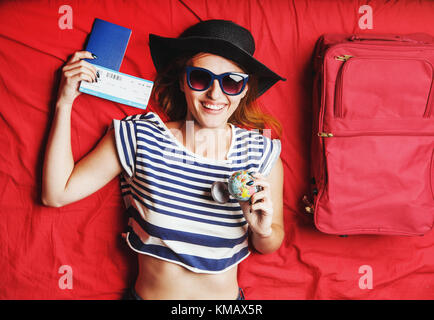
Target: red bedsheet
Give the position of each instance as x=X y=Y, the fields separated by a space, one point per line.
x=36 y=241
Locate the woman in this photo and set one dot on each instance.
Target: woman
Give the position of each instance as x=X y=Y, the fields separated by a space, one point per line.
x=189 y=245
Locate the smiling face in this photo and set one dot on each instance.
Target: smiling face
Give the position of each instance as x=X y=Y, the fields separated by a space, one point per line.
x=211 y=108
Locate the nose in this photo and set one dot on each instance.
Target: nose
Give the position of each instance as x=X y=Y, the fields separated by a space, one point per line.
x=214 y=91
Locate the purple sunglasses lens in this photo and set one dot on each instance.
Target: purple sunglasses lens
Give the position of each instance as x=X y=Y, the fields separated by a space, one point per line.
x=232 y=84
x=200 y=79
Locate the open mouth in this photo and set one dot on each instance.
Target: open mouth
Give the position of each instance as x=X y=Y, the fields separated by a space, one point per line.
x=213 y=107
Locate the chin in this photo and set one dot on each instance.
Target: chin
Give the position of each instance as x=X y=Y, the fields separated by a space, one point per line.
x=212 y=119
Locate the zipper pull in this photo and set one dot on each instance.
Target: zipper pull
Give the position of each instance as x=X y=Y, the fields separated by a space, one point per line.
x=345 y=57
x=325 y=134
x=309 y=206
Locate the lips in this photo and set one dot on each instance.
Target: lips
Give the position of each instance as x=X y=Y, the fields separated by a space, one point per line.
x=213 y=108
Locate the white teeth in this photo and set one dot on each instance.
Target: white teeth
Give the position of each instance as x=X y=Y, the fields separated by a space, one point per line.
x=213 y=107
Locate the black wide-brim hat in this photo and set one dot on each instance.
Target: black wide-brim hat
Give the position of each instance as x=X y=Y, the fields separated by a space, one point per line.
x=220 y=37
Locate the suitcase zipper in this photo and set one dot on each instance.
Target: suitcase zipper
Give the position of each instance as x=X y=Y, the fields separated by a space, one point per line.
x=430 y=102
x=373 y=133
x=338 y=99
x=392 y=38
x=325 y=134
x=345 y=57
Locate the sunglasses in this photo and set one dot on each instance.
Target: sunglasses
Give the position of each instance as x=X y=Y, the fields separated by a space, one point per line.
x=231 y=83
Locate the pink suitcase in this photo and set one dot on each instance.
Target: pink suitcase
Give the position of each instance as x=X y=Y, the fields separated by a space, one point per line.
x=372 y=151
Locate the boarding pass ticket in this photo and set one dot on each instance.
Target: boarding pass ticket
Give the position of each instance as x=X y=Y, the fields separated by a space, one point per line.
x=119 y=87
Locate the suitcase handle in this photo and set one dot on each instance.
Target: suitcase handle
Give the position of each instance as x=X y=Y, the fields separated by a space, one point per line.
x=382 y=37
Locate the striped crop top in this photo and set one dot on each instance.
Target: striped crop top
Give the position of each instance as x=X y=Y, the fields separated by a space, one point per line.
x=167 y=191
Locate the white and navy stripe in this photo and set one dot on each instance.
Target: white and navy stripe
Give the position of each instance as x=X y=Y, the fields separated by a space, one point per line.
x=167 y=190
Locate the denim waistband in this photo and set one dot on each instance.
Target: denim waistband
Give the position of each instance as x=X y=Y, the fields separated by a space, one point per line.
x=240 y=294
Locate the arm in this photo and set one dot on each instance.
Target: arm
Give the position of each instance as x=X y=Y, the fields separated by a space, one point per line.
x=63 y=181
x=265 y=213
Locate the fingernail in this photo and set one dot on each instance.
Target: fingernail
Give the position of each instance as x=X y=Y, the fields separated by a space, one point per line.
x=94 y=56
x=97 y=74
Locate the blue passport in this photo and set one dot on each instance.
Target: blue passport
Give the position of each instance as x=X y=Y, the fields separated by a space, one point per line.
x=108 y=41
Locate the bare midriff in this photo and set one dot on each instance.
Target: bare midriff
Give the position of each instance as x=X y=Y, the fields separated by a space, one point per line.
x=162 y=280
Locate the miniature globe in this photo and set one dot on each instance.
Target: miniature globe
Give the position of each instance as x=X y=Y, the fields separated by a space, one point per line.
x=241 y=186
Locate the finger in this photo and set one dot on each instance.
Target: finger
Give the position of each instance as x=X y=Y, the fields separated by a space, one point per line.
x=80 y=70
x=80 y=63
x=263 y=185
x=81 y=76
x=249 y=215
x=258 y=197
x=263 y=200
x=245 y=206
x=81 y=55
x=264 y=207
x=78 y=76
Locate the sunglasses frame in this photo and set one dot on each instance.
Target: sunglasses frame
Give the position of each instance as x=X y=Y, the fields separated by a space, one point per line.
x=219 y=77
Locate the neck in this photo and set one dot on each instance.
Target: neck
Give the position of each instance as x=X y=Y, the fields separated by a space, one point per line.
x=203 y=140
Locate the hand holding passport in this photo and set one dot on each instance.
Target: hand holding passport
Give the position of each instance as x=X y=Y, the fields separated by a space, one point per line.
x=108 y=42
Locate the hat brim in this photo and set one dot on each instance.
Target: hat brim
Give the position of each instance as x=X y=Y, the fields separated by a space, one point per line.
x=164 y=50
